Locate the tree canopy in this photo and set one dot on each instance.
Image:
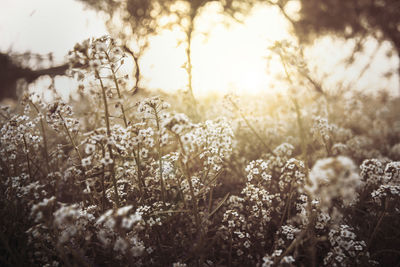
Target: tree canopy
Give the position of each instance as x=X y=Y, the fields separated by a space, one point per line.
x=379 y=18
x=351 y=18
x=142 y=18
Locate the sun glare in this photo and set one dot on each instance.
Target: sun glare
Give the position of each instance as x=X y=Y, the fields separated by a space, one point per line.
x=227 y=58
x=177 y=136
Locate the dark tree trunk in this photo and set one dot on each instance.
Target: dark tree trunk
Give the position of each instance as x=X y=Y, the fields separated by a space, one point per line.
x=10 y=73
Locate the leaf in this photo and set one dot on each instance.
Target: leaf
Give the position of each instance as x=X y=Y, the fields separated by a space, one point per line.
x=169 y=211
x=210 y=182
x=219 y=205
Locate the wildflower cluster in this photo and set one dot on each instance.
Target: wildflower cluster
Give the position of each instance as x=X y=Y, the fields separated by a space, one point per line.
x=335 y=180
x=346 y=249
x=116 y=180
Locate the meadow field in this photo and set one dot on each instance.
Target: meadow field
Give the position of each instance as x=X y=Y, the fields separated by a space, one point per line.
x=306 y=177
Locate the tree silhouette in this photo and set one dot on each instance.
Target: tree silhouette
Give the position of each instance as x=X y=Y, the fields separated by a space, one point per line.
x=141 y=19
x=349 y=19
x=11 y=71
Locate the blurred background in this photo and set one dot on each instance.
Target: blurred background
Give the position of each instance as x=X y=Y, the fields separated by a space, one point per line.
x=206 y=47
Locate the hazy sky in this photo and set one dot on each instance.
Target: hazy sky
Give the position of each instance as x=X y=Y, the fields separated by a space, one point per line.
x=230 y=59
x=46 y=25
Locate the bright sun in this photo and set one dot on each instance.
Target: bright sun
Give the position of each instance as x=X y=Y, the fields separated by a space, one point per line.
x=226 y=59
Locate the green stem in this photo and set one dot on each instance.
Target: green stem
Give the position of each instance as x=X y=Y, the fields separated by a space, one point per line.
x=290 y=247
x=27 y=158
x=141 y=182
x=46 y=151
x=70 y=138
x=298 y=115
x=107 y=119
x=195 y=209
x=160 y=155
x=287 y=207
x=118 y=92
x=378 y=224
x=301 y=132
x=103 y=201
x=252 y=128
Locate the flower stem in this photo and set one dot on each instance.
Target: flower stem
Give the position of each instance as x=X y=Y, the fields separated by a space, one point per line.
x=107 y=119
x=251 y=127
x=160 y=155
x=118 y=91
x=70 y=137
x=27 y=158
x=46 y=151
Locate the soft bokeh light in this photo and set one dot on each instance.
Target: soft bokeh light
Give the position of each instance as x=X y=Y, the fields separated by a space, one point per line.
x=226 y=58
x=44 y=26
x=260 y=152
